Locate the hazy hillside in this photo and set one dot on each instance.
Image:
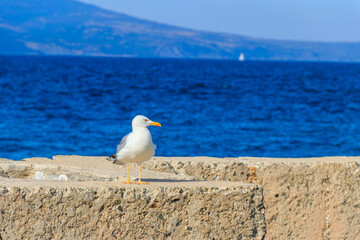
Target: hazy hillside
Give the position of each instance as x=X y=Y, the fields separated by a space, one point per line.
x=67 y=27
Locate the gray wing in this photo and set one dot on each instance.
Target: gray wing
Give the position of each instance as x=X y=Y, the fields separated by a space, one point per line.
x=122 y=143
x=119 y=147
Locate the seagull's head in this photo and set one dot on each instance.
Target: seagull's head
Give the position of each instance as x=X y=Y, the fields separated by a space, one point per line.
x=142 y=121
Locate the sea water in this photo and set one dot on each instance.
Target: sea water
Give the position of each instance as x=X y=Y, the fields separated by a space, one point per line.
x=84 y=106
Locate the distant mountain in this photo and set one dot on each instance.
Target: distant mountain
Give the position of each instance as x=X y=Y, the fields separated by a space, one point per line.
x=67 y=27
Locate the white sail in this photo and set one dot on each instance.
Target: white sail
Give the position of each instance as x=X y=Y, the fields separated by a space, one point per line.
x=241 y=57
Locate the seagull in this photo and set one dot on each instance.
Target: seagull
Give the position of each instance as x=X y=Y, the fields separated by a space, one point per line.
x=137 y=146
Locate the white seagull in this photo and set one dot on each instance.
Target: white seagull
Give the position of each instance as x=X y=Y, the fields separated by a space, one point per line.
x=137 y=146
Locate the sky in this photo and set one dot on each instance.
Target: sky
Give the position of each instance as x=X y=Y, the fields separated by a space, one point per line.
x=310 y=20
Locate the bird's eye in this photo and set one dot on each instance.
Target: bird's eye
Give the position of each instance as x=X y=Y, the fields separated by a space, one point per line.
x=146 y=120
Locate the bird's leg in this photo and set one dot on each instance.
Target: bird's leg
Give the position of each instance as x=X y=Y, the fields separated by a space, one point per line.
x=128 y=175
x=139 y=181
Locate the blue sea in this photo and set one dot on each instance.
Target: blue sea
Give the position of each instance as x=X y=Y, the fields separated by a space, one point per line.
x=84 y=106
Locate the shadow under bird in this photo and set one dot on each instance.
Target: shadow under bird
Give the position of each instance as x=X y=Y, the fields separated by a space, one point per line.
x=137 y=146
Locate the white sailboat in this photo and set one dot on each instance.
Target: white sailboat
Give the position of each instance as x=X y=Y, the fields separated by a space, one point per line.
x=241 y=57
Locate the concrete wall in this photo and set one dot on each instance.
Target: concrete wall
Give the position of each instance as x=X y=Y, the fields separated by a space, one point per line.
x=91 y=207
x=314 y=198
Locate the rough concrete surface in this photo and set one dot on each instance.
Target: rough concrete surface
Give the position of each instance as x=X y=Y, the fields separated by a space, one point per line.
x=309 y=198
x=83 y=198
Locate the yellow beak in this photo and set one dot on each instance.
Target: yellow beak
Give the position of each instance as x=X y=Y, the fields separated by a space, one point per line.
x=155 y=124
